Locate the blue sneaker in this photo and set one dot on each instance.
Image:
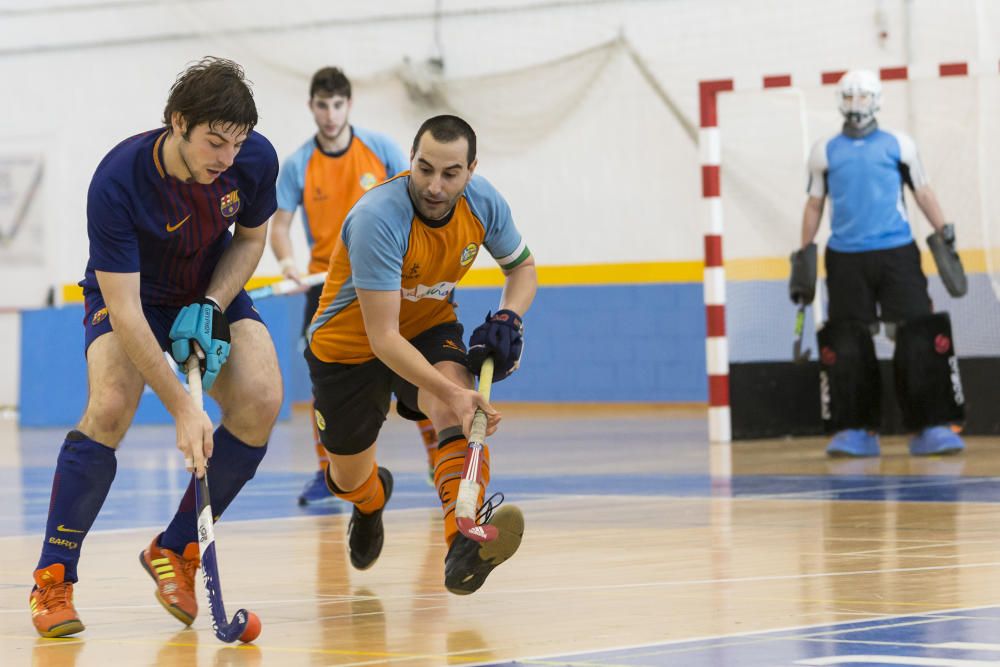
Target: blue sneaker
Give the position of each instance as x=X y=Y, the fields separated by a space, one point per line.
x=854 y=442
x=316 y=491
x=936 y=440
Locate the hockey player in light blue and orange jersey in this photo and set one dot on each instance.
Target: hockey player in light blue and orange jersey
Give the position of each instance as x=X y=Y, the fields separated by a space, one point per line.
x=325 y=177
x=386 y=324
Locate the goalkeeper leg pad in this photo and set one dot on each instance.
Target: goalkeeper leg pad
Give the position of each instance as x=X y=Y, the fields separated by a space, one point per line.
x=928 y=383
x=850 y=388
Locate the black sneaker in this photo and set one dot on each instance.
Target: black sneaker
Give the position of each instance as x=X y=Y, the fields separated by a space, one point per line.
x=364 y=532
x=468 y=562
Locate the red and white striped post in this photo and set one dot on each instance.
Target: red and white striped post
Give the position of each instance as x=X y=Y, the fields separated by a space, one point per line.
x=710 y=152
x=716 y=345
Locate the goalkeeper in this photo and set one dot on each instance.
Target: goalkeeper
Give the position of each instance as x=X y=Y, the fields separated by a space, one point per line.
x=874 y=274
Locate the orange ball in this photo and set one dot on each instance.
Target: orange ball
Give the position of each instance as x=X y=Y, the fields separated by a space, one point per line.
x=252 y=631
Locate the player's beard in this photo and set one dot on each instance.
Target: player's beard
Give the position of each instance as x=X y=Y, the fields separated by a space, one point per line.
x=418 y=202
x=192 y=178
x=187 y=165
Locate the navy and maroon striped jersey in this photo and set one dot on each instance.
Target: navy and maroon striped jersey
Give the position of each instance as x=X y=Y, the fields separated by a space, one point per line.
x=142 y=220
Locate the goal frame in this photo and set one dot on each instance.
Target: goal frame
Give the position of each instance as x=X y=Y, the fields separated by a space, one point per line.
x=710 y=158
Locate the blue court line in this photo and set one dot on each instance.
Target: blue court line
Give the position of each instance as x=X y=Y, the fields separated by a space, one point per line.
x=948 y=639
x=148 y=496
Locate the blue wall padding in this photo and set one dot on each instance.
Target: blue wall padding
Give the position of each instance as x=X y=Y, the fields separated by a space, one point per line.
x=609 y=343
x=54 y=370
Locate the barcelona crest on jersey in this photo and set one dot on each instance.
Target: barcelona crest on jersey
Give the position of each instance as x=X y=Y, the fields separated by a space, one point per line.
x=229 y=204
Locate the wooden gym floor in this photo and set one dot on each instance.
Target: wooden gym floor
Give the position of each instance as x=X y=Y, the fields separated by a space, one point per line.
x=643 y=546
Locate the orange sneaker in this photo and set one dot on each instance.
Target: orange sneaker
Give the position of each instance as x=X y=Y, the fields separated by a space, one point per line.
x=174 y=576
x=51 y=603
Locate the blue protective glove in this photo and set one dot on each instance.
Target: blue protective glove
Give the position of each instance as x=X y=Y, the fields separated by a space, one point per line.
x=205 y=323
x=500 y=336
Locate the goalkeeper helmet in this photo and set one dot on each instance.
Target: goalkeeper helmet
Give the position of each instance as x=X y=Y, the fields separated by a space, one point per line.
x=859 y=96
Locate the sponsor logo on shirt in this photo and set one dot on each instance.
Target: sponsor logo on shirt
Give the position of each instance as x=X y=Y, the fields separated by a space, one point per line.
x=368 y=181
x=469 y=254
x=229 y=204
x=440 y=291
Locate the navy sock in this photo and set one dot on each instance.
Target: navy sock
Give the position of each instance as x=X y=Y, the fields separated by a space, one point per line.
x=232 y=465
x=84 y=472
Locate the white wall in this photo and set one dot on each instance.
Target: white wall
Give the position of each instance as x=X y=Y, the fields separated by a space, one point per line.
x=595 y=166
x=10 y=361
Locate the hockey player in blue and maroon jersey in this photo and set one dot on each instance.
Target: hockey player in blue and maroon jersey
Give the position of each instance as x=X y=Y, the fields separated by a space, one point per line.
x=873 y=274
x=165 y=273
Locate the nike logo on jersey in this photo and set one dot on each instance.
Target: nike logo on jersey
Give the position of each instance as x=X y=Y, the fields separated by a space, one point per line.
x=171 y=228
x=63 y=529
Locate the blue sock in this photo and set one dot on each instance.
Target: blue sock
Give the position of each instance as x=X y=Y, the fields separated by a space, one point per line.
x=84 y=472
x=232 y=465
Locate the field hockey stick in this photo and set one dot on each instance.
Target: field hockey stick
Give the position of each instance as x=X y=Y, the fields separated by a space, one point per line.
x=798 y=356
x=469 y=487
x=287 y=286
x=226 y=631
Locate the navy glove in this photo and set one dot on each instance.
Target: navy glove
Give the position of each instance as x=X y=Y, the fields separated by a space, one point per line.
x=205 y=323
x=500 y=336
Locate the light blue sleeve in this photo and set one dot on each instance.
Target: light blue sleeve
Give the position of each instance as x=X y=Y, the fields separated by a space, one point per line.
x=292 y=178
x=376 y=250
x=502 y=239
x=385 y=149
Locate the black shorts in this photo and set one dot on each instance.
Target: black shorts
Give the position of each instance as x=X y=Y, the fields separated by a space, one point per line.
x=312 y=303
x=891 y=279
x=352 y=400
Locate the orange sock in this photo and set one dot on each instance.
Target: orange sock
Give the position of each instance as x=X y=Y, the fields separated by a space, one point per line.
x=323 y=462
x=369 y=497
x=448 y=474
x=430 y=437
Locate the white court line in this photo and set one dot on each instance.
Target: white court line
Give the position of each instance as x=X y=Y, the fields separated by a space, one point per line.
x=561 y=499
x=627 y=586
x=705 y=639
x=969 y=646
x=906 y=661
x=227 y=522
x=819 y=493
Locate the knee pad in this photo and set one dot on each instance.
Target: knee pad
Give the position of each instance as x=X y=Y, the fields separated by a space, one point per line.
x=850 y=388
x=928 y=384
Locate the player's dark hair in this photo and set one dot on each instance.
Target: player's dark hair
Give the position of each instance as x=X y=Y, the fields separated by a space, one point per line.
x=213 y=91
x=447 y=129
x=328 y=82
